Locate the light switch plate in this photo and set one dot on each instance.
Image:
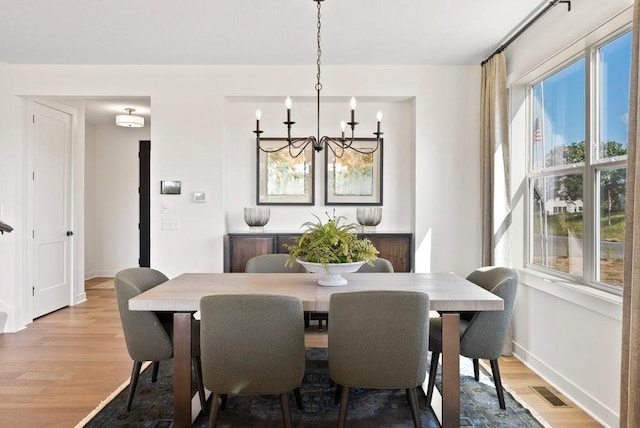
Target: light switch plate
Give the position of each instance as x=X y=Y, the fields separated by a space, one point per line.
x=170 y=224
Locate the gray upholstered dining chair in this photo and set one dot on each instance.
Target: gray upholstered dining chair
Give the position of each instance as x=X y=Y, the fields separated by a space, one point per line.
x=252 y=345
x=385 y=351
x=277 y=263
x=272 y=263
x=379 y=265
x=482 y=334
x=148 y=334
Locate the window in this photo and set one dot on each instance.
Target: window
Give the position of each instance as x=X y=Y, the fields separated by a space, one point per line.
x=577 y=168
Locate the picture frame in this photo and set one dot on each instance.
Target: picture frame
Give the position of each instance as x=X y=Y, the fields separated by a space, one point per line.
x=354 y=178
x=282 y=179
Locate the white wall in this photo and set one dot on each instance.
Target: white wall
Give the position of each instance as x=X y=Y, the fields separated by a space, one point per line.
x=111 y=196
x=567 y=333
x=431 y=151
x=240 y=145
x=8 y=214
x=90 y=231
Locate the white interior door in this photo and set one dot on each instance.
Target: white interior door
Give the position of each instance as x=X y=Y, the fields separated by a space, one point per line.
x=52 y=232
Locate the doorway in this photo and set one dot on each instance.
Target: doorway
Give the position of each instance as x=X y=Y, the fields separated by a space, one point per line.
x=144 y=190
x=117 y=226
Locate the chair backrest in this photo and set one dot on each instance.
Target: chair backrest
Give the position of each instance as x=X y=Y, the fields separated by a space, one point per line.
x=487 y=330
x=272 y=263
x=146 y=338
x=379 y=265
x=379 y=339
x=252 y=344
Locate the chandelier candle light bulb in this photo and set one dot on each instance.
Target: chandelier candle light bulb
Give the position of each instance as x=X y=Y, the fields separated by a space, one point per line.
x=288 y=104
x=258 y=116
x=353 y=111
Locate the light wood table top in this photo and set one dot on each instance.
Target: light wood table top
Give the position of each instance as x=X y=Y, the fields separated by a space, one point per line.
x=447 y=291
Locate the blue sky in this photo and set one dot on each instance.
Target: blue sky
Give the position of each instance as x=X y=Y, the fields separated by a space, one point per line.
x=563 y=95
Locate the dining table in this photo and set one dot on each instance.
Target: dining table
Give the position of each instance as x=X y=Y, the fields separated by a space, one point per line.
x=449 y=294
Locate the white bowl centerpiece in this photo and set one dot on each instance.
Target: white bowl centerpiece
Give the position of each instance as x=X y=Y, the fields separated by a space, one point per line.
x=330 y=249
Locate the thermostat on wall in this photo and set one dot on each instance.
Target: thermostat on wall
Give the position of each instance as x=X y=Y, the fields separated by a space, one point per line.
x=199 y=196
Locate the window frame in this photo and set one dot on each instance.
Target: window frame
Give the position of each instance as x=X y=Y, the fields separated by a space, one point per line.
x=591 y=167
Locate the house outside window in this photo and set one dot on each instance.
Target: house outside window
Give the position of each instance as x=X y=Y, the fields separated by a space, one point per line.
x=577 y=165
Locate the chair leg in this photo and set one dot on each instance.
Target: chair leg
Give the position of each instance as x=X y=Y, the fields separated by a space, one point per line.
x=135 y=374
x=307 y=319
x=298 y=395
x=286 y=412
x=412 y=396
x=197 y=367
x=433 y=369
x=154 y=372
x=476 y=369
x=496 y=379
x=344 y=404
x=215 y=409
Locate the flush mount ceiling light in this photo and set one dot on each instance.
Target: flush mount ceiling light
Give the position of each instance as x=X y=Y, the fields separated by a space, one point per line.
x=337 y=145
x=128 y=120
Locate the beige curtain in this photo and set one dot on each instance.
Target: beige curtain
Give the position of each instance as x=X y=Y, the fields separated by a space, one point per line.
x=630 y=381
x=494 y=158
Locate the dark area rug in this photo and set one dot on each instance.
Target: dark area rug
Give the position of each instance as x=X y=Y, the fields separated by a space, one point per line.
x=153 y=405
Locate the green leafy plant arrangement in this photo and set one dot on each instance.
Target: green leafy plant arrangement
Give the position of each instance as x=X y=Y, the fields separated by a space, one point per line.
x=331 y=242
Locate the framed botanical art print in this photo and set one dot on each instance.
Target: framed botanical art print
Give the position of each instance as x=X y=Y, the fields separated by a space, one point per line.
x=353 y=177
x=283 y=179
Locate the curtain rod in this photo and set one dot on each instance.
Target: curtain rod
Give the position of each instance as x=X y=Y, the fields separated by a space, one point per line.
x=524 y=28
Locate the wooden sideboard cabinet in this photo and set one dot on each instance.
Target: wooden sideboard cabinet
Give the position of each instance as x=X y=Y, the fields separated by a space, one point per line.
x=240 y=247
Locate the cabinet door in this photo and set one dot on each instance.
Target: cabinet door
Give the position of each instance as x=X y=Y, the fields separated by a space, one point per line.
x=285 y=238
x=242 y=248
x=394 y=247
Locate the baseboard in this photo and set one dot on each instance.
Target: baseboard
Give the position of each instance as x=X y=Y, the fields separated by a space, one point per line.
x=577 y=395
x=80 y=298
x=99 y=274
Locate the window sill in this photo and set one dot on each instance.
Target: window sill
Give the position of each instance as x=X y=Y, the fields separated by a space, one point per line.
x=605 y=303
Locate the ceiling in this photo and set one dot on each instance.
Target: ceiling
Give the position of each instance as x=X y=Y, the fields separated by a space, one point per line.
x=256 y=32
x=103 y=110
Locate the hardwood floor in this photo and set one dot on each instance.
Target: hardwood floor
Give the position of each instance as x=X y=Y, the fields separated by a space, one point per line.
x=63 y=365
x=57 y=370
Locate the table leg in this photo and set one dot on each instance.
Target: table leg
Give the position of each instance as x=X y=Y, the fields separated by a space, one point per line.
x=182 y=369
x=450 y=369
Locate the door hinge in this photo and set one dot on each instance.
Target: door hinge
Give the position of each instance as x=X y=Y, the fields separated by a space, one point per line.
x=33 y=233
x=33 y=291
x=138 y=262
x=33 y=176
x=33 y=118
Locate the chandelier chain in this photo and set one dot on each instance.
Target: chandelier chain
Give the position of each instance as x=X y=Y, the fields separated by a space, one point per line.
x=319 y=52
x=337 y=145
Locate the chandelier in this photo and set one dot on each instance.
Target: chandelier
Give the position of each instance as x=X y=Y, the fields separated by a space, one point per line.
x=337 y=145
